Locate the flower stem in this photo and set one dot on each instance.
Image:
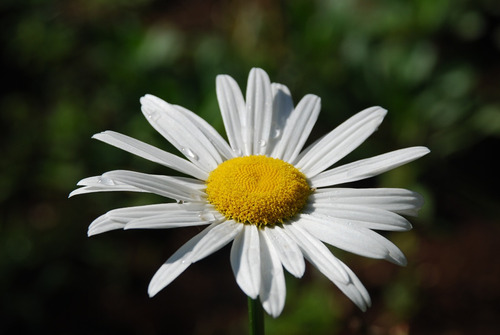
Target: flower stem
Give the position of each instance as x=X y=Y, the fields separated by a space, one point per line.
x=255 y=317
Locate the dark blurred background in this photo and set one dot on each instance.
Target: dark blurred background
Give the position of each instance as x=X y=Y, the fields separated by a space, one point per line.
x=70 y=69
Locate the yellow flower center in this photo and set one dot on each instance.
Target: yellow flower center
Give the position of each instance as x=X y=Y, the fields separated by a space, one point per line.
x=257 y=190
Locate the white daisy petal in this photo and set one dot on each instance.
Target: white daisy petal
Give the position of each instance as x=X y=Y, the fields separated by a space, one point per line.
x=169 y=220
x=288 y=251
x=98 y=181
x=272 y=289
x=102 y=184
x=176 y=264
x=211 y=134
x=282 y=108
x=368 y=167
x=257 y=125
x=170 y=187
x=359 y=216
x=103 y=224
x=104 y=188
x=340 y=141
x=357 y=240
x=245 y=260
x=119 y=218
x=317 y=253
x=181 y=132
x=297 y=128
x=355 y=290
x=151 y=153
x=232 y=107
x=395 y=256
x=106 y=181
x=396 y=200
x=205 y=243
x=218 y=237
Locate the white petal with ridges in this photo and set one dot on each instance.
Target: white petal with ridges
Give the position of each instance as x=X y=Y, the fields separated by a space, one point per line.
x=171 y=187
x=245 y=260
x=170 y=220
x=103 y=224
x=339 y=142
x=282 y=109
x=396 y=256
x=181 y=132
x=368 y=167
x=317 y=253
x=210 y=133
x=119 y=218
x=151 y=153
x=232 y=107
x=102 y=184
x=289 y=253
x=358 y=240
x=297 y=128
x=272 y=289
x=216 y=238
x=359 y=216
x=397 y=200
x=257 y=126
x=104 y=188
x=176 y=264
x=355 y=290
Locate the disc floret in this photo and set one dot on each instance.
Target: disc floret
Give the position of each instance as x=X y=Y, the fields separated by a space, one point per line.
x=257 y=190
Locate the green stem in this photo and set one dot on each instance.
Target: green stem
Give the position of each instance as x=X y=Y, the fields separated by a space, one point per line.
x=255 y=317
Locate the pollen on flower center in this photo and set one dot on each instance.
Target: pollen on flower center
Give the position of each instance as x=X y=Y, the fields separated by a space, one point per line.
x=257 y=190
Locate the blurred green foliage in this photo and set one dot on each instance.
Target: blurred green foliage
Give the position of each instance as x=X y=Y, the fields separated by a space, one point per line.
x=74 y=68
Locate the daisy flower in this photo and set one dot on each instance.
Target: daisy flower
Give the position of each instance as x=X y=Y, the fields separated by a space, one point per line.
x=275 y=202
